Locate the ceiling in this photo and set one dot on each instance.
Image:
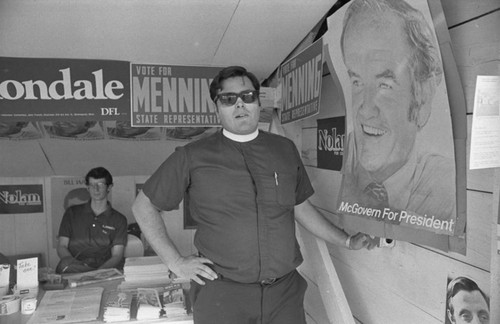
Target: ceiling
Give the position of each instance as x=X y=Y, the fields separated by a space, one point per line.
x=258 y=34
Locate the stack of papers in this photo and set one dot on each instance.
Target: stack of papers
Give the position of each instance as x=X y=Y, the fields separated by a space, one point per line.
x=117 y=306
x=147 y=270
x=148 y=304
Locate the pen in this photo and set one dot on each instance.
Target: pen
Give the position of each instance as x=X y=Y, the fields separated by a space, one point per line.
x=276 y=177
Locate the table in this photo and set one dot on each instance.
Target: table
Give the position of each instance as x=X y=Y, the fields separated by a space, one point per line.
x=18 y=318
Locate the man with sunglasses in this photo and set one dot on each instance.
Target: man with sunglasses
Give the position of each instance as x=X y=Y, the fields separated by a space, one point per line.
x=246 y=188
x=92 y=235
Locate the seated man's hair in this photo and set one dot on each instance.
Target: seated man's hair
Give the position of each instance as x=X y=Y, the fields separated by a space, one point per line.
x=99 y=173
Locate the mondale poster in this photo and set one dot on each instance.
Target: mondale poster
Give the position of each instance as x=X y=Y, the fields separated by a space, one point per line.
x=56 y=89
x=398 y=173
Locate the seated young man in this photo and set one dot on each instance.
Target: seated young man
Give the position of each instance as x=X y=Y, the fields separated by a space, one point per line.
x=92 y=235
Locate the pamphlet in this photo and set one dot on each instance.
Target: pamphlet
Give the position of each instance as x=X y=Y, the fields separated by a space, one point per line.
x=68 y=306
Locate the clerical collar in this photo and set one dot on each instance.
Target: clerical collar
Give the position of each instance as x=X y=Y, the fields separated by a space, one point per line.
x=241 y=138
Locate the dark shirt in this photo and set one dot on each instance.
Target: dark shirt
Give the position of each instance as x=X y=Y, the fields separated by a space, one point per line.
x=92 y=236
x=246 y=222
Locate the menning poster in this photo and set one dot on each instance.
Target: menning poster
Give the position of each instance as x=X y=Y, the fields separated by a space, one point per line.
x=172 y=95
x=301 y=78
x=398 y=174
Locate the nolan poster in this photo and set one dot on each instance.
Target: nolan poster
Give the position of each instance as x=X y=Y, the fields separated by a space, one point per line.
x=331 y=136
x=21 y=199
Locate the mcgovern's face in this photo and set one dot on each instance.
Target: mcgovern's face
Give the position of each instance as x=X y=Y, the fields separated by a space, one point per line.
x=240 y=118
x=376 y=56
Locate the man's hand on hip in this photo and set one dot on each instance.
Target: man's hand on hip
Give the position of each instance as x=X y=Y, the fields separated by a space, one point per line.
x=194 y=268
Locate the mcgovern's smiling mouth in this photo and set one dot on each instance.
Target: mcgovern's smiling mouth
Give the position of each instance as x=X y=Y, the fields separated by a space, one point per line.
x=373 y=131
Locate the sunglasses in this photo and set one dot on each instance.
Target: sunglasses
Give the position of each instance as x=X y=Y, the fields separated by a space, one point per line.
x=230 y=98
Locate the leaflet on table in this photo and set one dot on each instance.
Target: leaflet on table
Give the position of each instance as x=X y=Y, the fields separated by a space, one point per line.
x=68 y=306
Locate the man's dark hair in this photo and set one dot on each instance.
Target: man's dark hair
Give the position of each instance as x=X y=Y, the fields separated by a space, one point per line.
x=99 y=173
x=231 y=72
x=462 y=283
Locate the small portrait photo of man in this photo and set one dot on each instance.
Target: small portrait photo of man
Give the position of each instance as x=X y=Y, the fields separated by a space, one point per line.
x=125 y=131
x=399 y=151
x=19 y=130
x=466 y=303
x=76 y=130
